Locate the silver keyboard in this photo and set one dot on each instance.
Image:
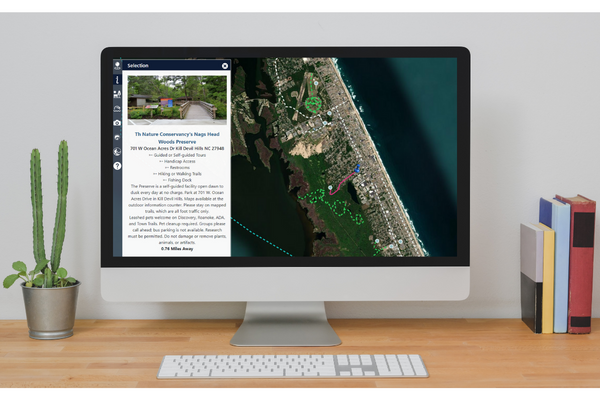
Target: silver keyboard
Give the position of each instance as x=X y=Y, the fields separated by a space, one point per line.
x=293 y=366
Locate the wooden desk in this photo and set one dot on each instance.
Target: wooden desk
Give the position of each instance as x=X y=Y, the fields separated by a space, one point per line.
x=457 y=353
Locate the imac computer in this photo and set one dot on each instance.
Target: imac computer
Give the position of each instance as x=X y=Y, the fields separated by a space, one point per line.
x=285 y=177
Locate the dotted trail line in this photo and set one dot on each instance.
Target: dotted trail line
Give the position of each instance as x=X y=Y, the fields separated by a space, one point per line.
x=338 y=207
x=260 y=237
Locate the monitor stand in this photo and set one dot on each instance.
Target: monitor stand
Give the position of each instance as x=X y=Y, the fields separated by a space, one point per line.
x=285 y=324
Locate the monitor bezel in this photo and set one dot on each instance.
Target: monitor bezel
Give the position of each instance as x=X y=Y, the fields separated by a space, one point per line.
x=462 y=56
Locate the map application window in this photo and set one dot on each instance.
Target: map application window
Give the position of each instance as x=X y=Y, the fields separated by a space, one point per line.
x=285 y=157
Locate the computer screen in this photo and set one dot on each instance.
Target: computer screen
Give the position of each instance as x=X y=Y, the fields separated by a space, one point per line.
x=344 y=157
x=285 y=174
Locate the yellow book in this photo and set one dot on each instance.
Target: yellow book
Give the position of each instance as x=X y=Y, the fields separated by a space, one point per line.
x=548 y=280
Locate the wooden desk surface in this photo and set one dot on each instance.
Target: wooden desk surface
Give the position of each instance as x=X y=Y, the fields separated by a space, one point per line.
x=457 y=353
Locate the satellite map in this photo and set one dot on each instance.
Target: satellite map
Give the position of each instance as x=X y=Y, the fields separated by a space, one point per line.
x=307 y=177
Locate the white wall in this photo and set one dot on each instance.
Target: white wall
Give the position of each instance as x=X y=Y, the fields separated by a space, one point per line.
x=535 y=132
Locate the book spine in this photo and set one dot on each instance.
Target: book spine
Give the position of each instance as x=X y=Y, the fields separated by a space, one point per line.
x=581 y=265
x=532 y=253
x=548 y=283
x=546 y=212
x=561 y=223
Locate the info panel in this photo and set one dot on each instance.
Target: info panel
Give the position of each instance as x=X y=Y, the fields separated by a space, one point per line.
x=172 y=169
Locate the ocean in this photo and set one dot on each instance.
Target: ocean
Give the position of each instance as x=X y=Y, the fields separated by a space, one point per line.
x=409 y=108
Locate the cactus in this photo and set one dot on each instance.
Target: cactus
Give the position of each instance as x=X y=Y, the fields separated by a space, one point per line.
x=58 y=237
x=39 y=252
x=48 y=278
x=61 y=205
x=47 y=273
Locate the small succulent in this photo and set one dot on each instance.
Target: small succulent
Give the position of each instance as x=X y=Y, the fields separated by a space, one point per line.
x=47 y=279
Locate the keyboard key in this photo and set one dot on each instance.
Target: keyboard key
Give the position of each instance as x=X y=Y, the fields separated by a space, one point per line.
x=383 y=368
x=342 y=359
x=357 y=371
x=327 y=373
x=416 y=361
x=273 y=373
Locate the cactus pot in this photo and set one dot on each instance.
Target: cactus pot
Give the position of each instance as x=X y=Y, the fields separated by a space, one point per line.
x=50 y=311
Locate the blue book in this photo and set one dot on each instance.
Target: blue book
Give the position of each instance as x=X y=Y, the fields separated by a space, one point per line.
x=557 y=215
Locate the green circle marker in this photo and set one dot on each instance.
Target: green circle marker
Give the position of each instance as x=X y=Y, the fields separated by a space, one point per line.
x=313 y=104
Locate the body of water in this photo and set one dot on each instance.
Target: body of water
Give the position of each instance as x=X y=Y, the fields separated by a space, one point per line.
x=409 y=108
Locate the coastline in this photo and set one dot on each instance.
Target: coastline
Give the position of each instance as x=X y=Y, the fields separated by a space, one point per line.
x=396 y=198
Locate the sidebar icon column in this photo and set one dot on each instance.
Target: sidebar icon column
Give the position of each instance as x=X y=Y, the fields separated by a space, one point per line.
x=117 y=112
x=117 y=118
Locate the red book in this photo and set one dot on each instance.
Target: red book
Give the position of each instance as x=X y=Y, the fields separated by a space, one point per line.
x=581 y=262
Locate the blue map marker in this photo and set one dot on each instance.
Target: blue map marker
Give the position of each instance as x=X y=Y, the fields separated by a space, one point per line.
x=357 y=169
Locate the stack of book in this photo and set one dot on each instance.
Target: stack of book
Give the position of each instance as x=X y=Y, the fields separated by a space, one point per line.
x=557 y=262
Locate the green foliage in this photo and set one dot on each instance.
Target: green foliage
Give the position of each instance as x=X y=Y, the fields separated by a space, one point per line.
x=221 y=109
x=171 y=112
x=136 y=114
x=168 y=112
x=141 y=113
x=46 y=271
x=172 y=86
x=147 y=85
x=216 y=88
x=214 y=91
x=47 y=279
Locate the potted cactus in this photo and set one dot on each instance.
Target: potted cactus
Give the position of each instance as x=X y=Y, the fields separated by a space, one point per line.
x=50 y=295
